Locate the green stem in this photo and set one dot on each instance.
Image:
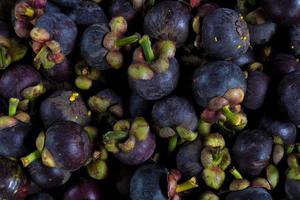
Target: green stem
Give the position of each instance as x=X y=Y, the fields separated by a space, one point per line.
x=190 y=184
x=26 y=160
x=146 y=45
x=172 y=143
x=115 y=135
x=236 y=173
x=13 y=105
x=231 y=117
x=128 y=40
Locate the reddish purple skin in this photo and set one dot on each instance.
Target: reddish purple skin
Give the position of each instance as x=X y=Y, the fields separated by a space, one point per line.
x=69 y=145
x=17 y=78
x=142 y=151
x=60 y=72
x=282 y=64
x=82 y=190
x=285 y=12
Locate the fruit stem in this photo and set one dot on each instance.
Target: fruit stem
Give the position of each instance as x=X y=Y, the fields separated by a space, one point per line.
x=190 y=184
x=172 y=143
x=26 y=160
x=115 y=135
x=146 y=45
x=236 y=173
x=128 y=40
x=233 y=118
x=13 y=105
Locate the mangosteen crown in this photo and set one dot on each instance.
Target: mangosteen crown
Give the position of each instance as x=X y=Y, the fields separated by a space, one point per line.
x=148 y=61
x=125 y=134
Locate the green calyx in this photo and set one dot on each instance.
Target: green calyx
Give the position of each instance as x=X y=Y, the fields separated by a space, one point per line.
x=293 y=173
x=140 y=72
x=6 y=122
x=5 y=58
x=47 y=158
x=278 y=153
x=98 y=104
x=172 y=143
x=98 y=169
x=214 y=140
x=272 y=174
x=233 y=121
x=203 y=128
x=125 y=135
x=213 y=157
x=261 y=183
x=34 y=91
x=239 y=184
x=40 y=141
x=166 y=49
x=186 y=134
x=17 y=50
x=213 y=177
x=27 y=160
x=118 y=25
x=83 y=83
x=208 y=196
x=293 y=160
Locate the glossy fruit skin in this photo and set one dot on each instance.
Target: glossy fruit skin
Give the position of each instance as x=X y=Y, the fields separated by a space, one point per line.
x=147 y=182
x=188 y=159
x=60 y=72
x=282 y=12
x=262 y=33
x=287 y=131
x=69 y=145
x=226 y=75
x=51 y=8
x=84 y=189
x=282 y=64
x=59 y=107
x=88 y=13
x=294 y=33
x=41 y=196
x=67 y=3
x=292 y=189
x=47 y=177
x=141 y=152
x=138 y=106
x=224 y=34
x=14 y=183
x=168 y=20
x=245 y=59
x=257 y=87
x=161 y=85
x=16 y=78
x=123 y=8
x=174 y=111
x=14 y=146
x=61 y=29
x=250 y=194
x=289 y=95
x=252 y=151
x=91 y=46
